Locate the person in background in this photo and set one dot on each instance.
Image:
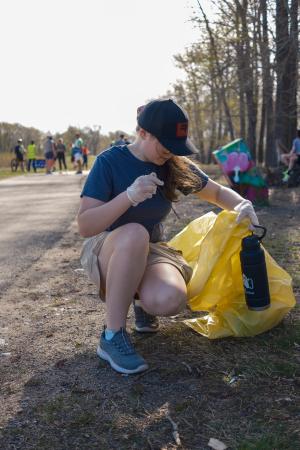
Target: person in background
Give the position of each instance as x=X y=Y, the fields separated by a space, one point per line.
x=121 y=140
x=31 y=156
x=61 y=154
x=77 y=153
x=292 y=158
x=127 y=141
x=85 y=153
x=127 y=195
x=49 y=153
x=55 y=155
x=20 y=153
x=72 y=158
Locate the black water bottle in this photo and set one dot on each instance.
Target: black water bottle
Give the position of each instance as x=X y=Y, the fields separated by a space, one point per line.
x=254 y=271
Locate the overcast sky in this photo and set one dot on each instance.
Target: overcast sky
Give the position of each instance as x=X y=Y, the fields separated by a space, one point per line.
x=88 y=62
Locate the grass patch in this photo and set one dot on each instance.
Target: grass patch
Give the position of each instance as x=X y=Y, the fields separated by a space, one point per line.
x=272 y=368
x=283 y=337
x=51 y=410
x=84 y=418
x=278 y=440
x=6 y=173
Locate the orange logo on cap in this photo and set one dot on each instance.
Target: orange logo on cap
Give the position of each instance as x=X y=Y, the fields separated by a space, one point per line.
x=181 y=129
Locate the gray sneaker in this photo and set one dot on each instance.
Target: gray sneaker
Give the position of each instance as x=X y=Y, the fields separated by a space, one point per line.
x=144 y=322
x=120 y=353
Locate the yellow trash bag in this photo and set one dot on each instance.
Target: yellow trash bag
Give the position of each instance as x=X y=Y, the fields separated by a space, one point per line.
x=211 y=245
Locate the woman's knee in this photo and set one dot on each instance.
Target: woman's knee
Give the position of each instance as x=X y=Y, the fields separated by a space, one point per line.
x=293 y=157
x=165 y=303
x=131 y=240
x=133 y=237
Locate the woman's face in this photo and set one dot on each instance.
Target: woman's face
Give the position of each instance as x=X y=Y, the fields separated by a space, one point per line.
x=155 y=152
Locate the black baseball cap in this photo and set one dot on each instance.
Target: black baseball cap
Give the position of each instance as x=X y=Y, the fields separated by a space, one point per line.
x=168 y=122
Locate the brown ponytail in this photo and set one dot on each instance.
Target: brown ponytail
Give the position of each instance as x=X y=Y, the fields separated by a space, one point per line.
x=179 y=175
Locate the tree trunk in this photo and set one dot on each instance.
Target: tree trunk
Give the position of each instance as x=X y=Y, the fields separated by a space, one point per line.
x=269 y=156
x=220 y=120
x=249 y=79
x=260 y=153
x=212 y=140
x=240 y=74
x=283 y=77
x=293 y=69
x=197 y=116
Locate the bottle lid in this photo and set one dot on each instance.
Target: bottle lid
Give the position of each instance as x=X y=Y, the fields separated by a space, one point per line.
x=250 y=243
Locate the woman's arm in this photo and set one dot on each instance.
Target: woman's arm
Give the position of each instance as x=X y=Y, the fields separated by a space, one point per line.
x=95 y=216
x=228 y=199
x=219 y=195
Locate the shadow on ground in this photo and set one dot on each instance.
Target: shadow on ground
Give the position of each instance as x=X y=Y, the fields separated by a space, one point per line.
x=239 y=391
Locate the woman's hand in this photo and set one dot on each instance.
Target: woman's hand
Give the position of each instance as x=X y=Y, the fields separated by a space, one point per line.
x=142 y=188
x=245 y=210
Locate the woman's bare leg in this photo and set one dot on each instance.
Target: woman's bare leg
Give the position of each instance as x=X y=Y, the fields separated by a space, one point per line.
x=293 y=158
x=122 y=259
x=48 y=165
x=285 y=159
x=162 y=291
x=289 y=160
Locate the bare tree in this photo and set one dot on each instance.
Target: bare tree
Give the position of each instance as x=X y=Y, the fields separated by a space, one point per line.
x=242 y=76
x=267 y=112
x=248 y=78
x=286 y=69
x=219 y=73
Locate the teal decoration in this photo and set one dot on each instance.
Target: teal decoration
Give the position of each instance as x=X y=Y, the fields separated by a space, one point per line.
x=238 y=166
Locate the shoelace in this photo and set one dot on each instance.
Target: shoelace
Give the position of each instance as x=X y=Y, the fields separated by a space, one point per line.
x=124 y=343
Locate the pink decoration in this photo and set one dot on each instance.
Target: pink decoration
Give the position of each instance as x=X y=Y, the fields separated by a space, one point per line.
x=236 y=162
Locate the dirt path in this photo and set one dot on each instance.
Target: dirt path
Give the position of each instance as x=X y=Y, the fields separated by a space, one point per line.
x=57 y=395
x=35 y=212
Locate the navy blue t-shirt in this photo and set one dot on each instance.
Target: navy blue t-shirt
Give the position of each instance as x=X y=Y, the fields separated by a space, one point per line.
x=113 y=171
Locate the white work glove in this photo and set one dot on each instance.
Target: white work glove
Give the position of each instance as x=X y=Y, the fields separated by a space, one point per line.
x=142 y=188
x=245 y=210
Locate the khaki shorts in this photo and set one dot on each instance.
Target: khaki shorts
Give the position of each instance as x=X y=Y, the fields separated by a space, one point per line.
x=78 y=157
x=159 y=252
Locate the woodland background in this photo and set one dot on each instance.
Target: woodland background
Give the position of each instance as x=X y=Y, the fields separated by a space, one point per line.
x=241 y=80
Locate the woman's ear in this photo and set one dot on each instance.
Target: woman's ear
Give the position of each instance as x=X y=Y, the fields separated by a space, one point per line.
x=142 y=133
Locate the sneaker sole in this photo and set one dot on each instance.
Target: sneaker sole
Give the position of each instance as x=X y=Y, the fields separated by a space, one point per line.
x=103 y=355
x=146 y=329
